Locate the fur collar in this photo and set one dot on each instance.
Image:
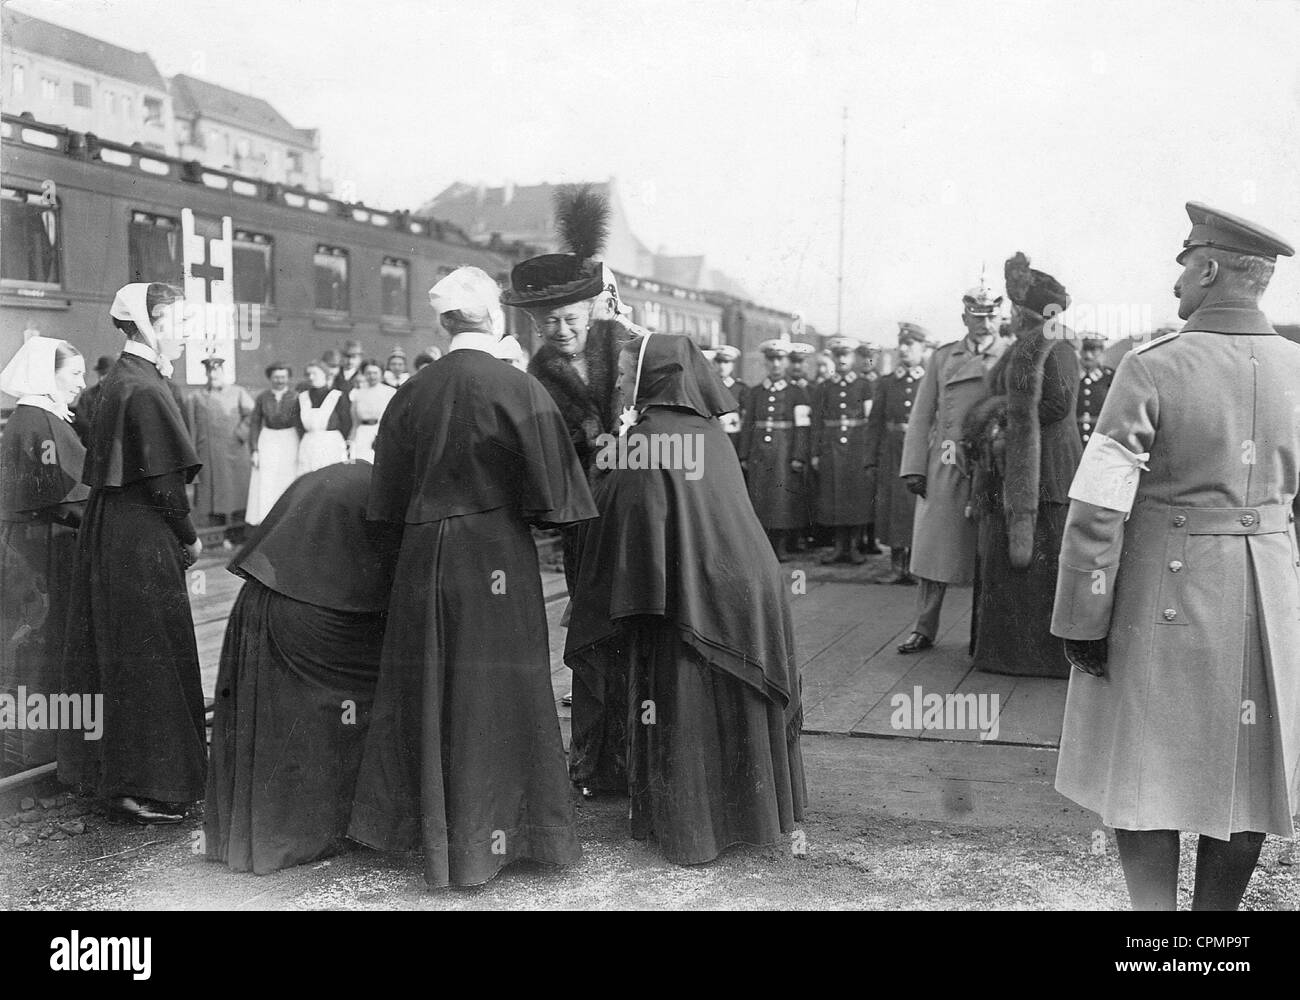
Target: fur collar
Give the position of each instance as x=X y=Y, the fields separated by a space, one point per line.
x=587 y=407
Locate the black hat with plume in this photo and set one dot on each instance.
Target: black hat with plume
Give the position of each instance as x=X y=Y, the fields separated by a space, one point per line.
x=558 y=279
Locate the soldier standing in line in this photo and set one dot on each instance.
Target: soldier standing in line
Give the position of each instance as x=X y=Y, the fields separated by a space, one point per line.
x=801 y=356
x=724 y=360
x=891 y=411
x=1093 y=385
x=1177 y=586
x=774 y=448
x=867 y=365
x=844 y=491
x=934 y=465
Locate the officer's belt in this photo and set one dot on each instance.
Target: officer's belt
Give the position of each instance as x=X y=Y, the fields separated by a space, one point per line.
x=845 y=423
x=775 y=425
x=1267 y=520
x=896 y=425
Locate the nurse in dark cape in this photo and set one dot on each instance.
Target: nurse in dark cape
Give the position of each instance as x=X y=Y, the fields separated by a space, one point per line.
x=41 y=503
x=679 y=588
x=464 y=757
x=297 y=676
x=130 y=633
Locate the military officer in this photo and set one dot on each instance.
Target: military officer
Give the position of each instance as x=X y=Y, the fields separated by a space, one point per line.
x=1093 y=384
x=800 y=354
x=891 y=411
x=801 y=358
x=840 y=412
x=724 y=360
x=774 y=445
x=934 y=465
x=1177 y=590
x=825 y=367
x=867 y=365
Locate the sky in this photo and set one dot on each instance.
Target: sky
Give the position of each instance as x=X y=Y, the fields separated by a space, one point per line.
x=1073 y=131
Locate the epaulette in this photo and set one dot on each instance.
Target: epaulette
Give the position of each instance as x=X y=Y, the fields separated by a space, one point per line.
x=1159 y=340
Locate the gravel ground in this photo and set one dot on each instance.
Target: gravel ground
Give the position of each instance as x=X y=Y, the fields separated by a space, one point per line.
x=848 y=861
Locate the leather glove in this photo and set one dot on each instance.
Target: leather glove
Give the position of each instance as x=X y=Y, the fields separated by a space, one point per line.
x=1088 y=655
x=916 y=484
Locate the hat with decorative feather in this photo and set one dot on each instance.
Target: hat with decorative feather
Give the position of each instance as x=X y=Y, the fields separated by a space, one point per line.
x=560 y=279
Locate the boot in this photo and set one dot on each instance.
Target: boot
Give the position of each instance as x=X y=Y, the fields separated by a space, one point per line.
x=840 y=552
x=868 y=545
x=779 y=545
x=851 y=554
x=900 y=558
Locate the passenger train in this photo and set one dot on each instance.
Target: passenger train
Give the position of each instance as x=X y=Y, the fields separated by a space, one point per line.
x=287 y=273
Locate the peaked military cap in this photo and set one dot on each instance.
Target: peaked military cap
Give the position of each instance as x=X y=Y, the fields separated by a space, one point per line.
x=1212 y=227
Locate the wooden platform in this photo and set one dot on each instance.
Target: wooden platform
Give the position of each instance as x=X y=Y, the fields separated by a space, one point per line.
x=847 y=626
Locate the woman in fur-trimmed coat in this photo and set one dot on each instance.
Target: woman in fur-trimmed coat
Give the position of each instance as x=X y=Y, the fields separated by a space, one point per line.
x=583 y=387
x=1026 y=448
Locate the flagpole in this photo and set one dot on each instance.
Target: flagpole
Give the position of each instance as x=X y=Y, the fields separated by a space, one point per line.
x=844 y=167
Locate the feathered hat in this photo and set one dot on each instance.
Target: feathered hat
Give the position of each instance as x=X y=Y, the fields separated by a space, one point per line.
x=558 y=279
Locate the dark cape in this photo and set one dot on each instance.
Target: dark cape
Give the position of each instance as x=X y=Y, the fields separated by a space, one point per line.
x=131 y=634
x=297 y=675
x=679 y=589
x=464 y=755
x=41 y=504
x=1025 y=447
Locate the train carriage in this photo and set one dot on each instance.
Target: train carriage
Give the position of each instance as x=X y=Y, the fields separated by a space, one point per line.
x=82 y=217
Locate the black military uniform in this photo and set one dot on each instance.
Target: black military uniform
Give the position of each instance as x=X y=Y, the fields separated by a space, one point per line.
x=1093 y=387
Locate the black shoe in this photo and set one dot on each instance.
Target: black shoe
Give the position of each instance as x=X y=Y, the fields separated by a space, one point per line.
x=837 y=555
x=905 y=580
x=915 y=643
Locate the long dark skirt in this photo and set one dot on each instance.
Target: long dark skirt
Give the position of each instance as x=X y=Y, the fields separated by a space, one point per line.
x=464 y=756
x=131 y=639
x=294 y=691
x=36 y=562
x=598 y=748
x=1015 y=605
x=715 y=764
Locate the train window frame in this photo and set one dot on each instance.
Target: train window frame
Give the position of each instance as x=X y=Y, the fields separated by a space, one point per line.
x=138 y=216
x=401 y=319
x=57 y=209
x=249 y=237
x=337 y=252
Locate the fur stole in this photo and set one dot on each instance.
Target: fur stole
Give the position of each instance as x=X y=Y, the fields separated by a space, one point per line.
x=1020 y=375
x=587 y=407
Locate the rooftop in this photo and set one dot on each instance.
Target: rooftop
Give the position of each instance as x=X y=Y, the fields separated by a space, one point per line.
x=31 y=34
x=195 y=98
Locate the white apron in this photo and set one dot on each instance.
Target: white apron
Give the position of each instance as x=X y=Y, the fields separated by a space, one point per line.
x=319 y=447
x=277 y=467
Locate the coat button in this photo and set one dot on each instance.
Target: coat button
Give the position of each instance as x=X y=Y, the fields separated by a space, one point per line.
x=1247 y=520
x=1170 y=614
x=1179 y=520
x=767 y=439
x=1175 y=566
x=844 y=440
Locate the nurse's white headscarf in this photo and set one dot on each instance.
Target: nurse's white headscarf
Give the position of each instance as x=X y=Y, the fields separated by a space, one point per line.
x=132 y=303
x=29 y=376
x=470 y=290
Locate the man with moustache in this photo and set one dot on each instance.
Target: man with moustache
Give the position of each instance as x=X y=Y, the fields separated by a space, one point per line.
x=934 y=465
x=1177 y=585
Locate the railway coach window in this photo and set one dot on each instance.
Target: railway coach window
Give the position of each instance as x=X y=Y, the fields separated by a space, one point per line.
x=154 y=248
x=29 y=252
x=253 y=282
x=394 y=277
x=331 y=267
